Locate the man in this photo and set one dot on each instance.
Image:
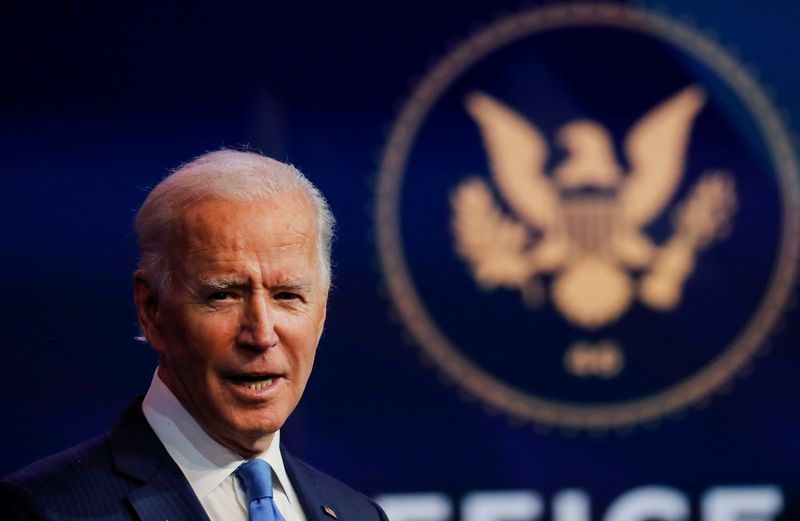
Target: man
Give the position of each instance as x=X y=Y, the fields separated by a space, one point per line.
x=231 y=292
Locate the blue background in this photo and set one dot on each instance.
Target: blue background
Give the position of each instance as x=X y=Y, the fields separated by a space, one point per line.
x=99 y=101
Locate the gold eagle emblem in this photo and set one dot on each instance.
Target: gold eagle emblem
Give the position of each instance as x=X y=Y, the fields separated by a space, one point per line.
x=583 y=224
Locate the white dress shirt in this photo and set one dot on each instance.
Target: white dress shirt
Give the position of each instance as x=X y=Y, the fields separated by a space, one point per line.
x=208 y=466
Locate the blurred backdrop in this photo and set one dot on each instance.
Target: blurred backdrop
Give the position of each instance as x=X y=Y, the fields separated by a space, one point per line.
x=447 y=391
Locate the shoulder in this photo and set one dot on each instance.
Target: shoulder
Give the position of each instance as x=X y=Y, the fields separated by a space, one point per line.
x=66 y=469
x=319 y=490
x=90 y=480
x=59 y=480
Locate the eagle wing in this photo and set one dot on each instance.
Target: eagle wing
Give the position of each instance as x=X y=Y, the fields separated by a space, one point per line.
x=656 y=150
x=492 y=243
x=517 y=154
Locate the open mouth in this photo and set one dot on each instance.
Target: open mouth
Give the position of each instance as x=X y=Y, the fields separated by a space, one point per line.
x=254 y=382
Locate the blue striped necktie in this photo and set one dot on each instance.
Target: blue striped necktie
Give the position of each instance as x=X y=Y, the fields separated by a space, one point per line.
x=255 y=477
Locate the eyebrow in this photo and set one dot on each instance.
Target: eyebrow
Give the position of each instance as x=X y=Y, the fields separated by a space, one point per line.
x=224 y=282
x=294 y=286
x=236 y=282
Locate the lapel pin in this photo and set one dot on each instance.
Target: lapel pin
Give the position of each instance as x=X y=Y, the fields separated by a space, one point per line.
x=329 y=511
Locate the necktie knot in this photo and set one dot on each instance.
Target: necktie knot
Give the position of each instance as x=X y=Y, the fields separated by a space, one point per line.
x=256 y=479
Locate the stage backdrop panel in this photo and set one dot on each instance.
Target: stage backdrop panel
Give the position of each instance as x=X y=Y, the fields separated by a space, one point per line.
x=566 y=252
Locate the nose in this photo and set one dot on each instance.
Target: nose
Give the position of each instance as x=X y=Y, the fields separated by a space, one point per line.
x=257 y=328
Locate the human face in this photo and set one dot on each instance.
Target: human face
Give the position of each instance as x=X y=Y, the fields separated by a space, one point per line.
x=238 y=329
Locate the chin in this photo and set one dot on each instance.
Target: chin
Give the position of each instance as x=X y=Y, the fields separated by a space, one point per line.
x=258 y=425
x=247 y=440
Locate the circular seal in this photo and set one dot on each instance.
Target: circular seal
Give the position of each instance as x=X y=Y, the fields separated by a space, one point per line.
x=588 y=216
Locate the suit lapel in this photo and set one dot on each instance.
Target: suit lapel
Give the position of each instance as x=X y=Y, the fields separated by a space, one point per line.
x=165 y=498
x=137 y=452
x=312 y=498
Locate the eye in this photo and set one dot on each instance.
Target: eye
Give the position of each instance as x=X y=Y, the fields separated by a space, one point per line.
x=220 y=295
x=287 y=295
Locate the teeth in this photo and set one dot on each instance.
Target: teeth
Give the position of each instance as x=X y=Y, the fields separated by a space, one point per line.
x=256 y=386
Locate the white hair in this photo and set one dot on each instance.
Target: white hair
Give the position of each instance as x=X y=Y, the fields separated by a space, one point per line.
x=227 y=175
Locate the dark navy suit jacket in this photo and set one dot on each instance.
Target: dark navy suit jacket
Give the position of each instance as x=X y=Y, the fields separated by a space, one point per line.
x=128 y=475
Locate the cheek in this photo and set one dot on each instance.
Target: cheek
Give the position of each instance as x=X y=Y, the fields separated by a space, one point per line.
x=200 y=337
x=298 y=334
x=305 y=350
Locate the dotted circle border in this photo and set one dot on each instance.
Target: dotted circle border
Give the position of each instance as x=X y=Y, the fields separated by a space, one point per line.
x=471 y=378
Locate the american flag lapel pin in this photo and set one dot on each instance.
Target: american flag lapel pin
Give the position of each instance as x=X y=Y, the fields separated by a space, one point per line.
x=329 y=511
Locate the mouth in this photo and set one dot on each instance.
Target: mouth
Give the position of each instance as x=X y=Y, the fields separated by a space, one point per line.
x=255 y=381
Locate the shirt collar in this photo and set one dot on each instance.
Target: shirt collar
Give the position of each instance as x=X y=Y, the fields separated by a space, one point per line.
x=204 y=462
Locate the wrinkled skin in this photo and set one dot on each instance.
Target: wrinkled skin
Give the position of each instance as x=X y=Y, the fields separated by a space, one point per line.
x=246 y=303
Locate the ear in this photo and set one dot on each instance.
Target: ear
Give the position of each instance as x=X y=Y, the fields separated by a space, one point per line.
x=324 y=315
x=146 y=301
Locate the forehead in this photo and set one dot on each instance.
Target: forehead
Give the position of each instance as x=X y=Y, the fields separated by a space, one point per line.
x=283 y=220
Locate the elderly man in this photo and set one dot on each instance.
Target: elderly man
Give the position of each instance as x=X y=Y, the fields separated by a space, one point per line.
x=231 y=293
